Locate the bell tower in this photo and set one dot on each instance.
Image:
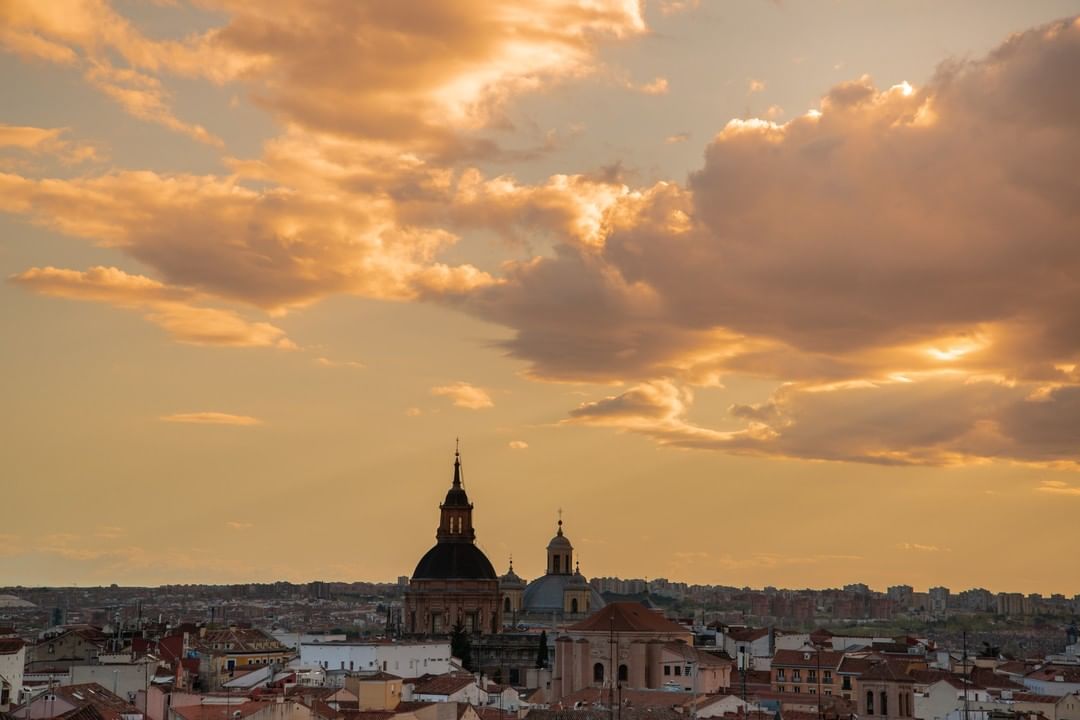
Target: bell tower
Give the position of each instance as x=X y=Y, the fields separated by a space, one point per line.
x=455 y=513
x=560 y=553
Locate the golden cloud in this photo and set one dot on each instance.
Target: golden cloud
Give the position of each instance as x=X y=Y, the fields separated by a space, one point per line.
x=46 y=141
x=464 y=395
x=405 y=73
x=168 y=307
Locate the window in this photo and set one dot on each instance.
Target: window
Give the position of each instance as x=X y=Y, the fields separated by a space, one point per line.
x=506 y=604
x=678 y=670
x=624 y=673
x=812 y=676
x=780 y=673
x=350 y=664
x=797 y=690
x=796 y=675
x=884 y=703
x=667 y=669
x=813 y=691
x=573 y=605
x=846 y=685
x=598 y=673
x=829 y=693
x=827 y=676
x=555 y=563
x=869 y=702
x=781 y=688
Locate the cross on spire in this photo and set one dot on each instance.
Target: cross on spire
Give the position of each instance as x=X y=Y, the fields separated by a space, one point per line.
x=560 y=521
x=457 y=462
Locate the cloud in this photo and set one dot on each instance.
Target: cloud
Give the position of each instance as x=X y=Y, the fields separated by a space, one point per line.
x=143 y=96
x=917 y=547
x=934 y=421
x=211 y=418
x=237 y=525
x=89 y=35
x=403 y=73
x=755 y=86
x=659 y=86
x=774 y=112
x=677 y=138
x=1058 y=487
x=657 y=409
x=465 y=395
x=909 y=248
x=518 y=445
x=413 y=412
x=46 y=141
x=328 y=363
x=271 y=248
x=168 y=307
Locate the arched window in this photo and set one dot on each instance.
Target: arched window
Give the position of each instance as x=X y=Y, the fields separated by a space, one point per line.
x=573 y=605
x=555 y=564
x=598 y=673
x=884 y=703
x=624 y=673
x=869 y=702
x=506 y=603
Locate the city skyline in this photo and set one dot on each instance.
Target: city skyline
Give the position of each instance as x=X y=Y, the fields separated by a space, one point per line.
x=759 y=293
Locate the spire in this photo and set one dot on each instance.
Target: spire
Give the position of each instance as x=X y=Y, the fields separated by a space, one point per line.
x=511 y=562
x=457 y=462
x=560 y=523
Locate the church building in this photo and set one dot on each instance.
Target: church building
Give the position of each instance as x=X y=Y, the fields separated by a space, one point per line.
x=561 y=593
x=454 y=582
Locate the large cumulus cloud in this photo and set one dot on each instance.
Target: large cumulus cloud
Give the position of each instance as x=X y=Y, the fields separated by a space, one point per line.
x=910 y=249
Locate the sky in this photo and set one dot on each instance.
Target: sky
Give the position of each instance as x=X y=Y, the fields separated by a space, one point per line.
x=759 y=293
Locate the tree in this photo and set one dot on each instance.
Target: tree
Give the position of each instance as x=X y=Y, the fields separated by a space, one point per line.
x=542 y=650
x=461 y=646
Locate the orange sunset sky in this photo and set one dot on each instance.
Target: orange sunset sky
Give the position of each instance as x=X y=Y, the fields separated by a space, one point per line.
x=760 y=293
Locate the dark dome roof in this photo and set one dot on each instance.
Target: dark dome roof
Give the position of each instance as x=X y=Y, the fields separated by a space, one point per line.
x=457 y=560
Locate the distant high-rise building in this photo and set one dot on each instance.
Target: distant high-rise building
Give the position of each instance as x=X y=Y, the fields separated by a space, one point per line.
x=939 y=600
x=902 y=595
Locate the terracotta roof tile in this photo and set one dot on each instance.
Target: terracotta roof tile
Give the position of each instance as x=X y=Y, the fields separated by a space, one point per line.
x=627 y=617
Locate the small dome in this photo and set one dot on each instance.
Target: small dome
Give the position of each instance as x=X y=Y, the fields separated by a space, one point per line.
x=545 y=594
x=454 y=560
x=577 y=581
x=511 y=579
x=559 y=542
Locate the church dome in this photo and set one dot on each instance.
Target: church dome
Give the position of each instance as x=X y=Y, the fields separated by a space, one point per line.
x=458 y=561
x=559 y=542
x=545 y=594
x=511 y=580
x=577 y=581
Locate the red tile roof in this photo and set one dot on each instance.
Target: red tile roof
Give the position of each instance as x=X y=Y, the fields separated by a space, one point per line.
x=627 y=617
x=223 y=711
x=825 y=659
x=442 y=684
x=10 y=645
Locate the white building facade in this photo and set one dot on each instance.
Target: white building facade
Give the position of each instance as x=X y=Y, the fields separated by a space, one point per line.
x=404 y=659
